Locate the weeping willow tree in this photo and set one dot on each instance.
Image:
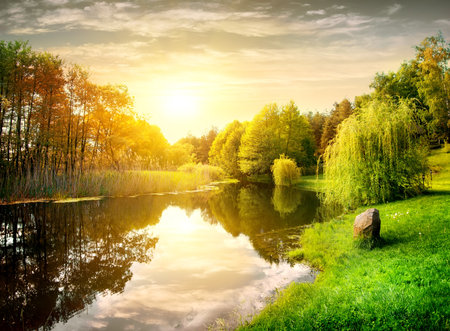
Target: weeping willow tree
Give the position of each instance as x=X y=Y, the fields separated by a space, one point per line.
x=376 y=156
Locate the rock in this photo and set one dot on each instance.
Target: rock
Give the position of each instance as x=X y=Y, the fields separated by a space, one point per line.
x=367 y=224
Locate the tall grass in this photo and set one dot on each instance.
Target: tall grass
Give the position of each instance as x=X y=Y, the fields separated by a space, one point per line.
x=203 y=170
x=105 y=183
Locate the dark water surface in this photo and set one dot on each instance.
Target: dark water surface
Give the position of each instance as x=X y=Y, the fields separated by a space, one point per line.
x=150 y=262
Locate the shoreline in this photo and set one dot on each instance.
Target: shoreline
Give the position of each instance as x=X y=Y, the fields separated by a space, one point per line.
x=202 y=188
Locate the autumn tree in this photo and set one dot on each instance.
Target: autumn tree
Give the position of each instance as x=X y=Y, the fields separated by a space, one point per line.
x=204 y=146
x=424 y=81
x=54 y=121
x=432 y=56
x=317 y=123
x=340 y=112
x=201 y=145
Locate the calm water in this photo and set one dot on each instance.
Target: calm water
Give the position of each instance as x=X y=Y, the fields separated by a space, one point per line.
x=150 y=262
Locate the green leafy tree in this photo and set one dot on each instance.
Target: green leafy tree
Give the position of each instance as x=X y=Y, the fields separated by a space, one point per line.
x=296 y=135
x=273 y=132
x=179 y=154
x=284 y=171
x=261 y=142
x=376 y=156
x=225 y=148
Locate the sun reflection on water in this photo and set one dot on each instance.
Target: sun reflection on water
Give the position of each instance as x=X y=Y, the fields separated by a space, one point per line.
x=199 y=272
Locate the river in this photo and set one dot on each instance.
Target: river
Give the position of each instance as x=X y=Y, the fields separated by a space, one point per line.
x=155 y=262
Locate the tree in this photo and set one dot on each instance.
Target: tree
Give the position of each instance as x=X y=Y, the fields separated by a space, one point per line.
x=425 y=82
x=272 y=133
x=261 y=142
x=179 y=154
x=317 y=122
x=54 y=121
x=340 y=112
x=225 y=148
x=284 y=171
x=149 y=147
x=296 y=135
x=432 y=56
x=204 y=145
x=376 y=156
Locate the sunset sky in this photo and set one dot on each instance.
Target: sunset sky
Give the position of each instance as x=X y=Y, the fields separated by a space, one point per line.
x=194 y=64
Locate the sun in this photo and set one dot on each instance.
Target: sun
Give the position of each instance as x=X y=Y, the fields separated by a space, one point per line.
x=179 y=103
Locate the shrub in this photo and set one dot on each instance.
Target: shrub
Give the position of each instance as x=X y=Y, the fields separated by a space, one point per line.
x=375 y=157
x=285 y=171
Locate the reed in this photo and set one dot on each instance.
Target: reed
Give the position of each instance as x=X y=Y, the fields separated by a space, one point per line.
x=105 y=183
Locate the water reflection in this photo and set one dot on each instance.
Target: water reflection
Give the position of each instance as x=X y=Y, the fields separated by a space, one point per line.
x=155 y=261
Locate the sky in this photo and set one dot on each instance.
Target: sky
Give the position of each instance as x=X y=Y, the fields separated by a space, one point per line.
x=191 y=65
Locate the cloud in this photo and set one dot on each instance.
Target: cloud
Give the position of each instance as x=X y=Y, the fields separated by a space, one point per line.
x=57 y=2
x=444 y=22
x=394 y=8
x=347 y=20
x=315 y=12
x=27 y=31
x=66 y=16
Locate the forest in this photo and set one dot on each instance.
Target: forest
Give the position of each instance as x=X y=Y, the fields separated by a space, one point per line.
x=57 y=125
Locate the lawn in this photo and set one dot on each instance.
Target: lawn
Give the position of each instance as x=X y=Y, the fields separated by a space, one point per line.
x=401 y=284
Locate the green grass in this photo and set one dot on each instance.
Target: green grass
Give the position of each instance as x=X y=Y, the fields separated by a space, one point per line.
x=311 y=183
x=107 y=183
x=403 y=283
x=439 y=162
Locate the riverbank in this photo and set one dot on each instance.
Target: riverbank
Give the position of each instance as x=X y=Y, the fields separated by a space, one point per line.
x=402 y=284
x=108 y=183
x=309 y=183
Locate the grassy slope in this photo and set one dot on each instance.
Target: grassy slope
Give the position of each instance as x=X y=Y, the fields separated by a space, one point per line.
x=404 y=284
x=312 y=182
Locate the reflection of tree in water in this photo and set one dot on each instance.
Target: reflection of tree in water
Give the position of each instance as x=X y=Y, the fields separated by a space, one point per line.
x=55 y=258
x=264 y=214
x=286 y=200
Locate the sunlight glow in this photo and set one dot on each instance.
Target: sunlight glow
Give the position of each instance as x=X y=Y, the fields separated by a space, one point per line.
x=179 y=103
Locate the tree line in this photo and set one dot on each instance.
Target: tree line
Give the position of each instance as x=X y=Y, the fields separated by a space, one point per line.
x=250 y=148
x=54 y=120
x=381 y=152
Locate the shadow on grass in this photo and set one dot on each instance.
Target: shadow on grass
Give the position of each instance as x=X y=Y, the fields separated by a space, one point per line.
x=381 y=242
x=437 y=192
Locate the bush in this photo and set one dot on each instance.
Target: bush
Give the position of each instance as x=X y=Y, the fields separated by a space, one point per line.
x=376 y=156
x=284 y=171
